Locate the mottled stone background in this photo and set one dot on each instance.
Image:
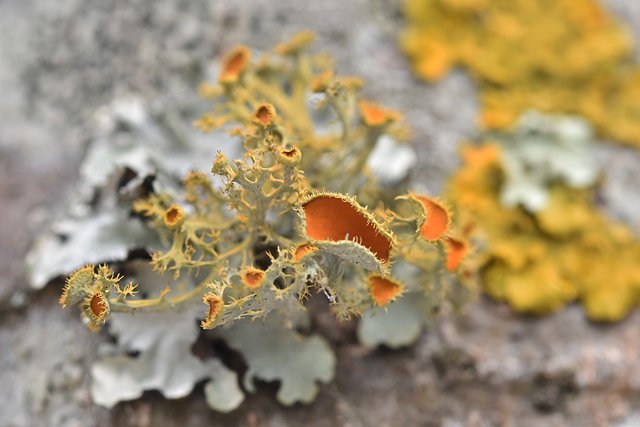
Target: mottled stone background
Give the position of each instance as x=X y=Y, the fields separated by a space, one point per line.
x=62 y=60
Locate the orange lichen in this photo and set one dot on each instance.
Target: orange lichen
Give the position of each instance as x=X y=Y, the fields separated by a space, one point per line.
x=96 y=310
x=436 y=62
x=302 y=250
x=215 y=305
x=234 y=63
x=374 y=115
x=98 y=305
x=252 y=277
x=456 y=251
x=265 y=114
x=173 y=216
x=437 y=219
x=384 y=290
x=336 y=218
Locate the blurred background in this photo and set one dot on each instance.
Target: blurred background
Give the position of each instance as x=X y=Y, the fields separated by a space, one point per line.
x=63 y=62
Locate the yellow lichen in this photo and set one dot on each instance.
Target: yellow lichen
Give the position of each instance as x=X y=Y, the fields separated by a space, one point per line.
x=566 y=56
x=538 y=262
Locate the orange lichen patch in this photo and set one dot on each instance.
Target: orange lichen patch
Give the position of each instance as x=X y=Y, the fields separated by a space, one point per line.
x=98 y=305
x=374 y=115
x=252 y=277
x=234 y=63
x=456 y=251
x=265 y=115
x=302 y=250
x=215 y=305
x=438 y=219
x=77 y=285
x=290 y=155
x=173 y=216
x=96 y=310
x=384 y=290
x=480 y=156
x=496 y=119
x=334 y=217
x=436 y=62
x=297 y=43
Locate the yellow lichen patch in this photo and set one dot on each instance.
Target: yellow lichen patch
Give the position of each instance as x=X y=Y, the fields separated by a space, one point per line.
x=564 y=56
x=215 y=304
x=384 y=290
x=77 y=286
x=303 y=250
x=234 y=63
x=538 y=262
x=173 y=216
x=437 y=220
x=333 y=217
x=265 y=114
x=252 y=277
x=374 y=115
x=456 y=251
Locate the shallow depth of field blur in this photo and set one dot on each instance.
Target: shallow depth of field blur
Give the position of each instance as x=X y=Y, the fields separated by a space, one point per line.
x=553 y=336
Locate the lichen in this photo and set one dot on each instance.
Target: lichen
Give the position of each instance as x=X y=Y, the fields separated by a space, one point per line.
x=560 y=56
x=539 y=260
x=286 y=218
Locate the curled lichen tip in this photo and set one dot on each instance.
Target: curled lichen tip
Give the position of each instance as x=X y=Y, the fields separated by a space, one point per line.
x=234 y=63
x=215 y=305
x=456 y=250
x=437 y=218
x=296 y=43
x=77 y=285
x=383 y=290
x=303 y=250
x=375 y=116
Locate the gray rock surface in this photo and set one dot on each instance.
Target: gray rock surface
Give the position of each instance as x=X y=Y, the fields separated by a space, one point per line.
x=60 y=61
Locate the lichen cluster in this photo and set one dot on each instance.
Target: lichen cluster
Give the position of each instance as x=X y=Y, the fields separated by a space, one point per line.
x=285 y=219
x=564 y=249
x=561 y=56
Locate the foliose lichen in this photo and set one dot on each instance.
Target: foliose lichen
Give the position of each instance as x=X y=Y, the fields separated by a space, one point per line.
x=557 y=56
x=539 y=258
x=288 y=218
